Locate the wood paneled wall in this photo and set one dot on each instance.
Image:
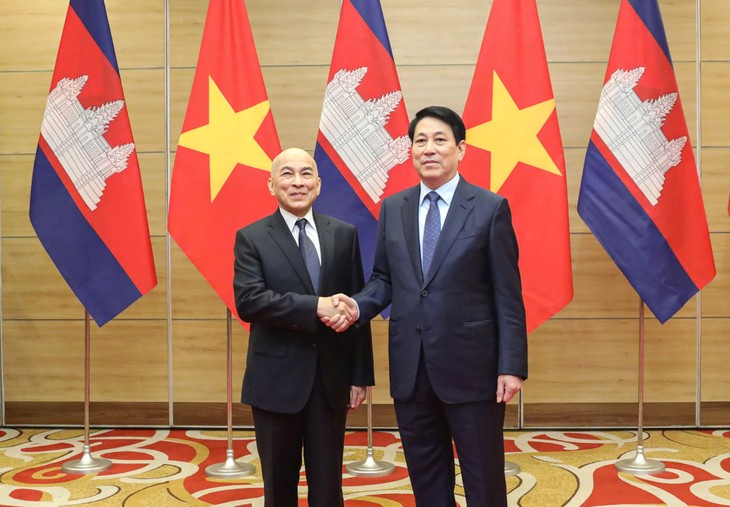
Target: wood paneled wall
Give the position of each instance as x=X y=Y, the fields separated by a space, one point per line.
x=583 y=362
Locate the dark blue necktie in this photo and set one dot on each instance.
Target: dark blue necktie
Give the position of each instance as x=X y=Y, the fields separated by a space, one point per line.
x=431 y=231
x=309 y=254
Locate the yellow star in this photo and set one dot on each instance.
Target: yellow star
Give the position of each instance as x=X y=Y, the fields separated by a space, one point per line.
x=228 y=138
x=511 y=135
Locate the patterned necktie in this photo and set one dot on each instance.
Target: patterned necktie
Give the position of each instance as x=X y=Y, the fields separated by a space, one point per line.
x=309 y=254
x=431 y=231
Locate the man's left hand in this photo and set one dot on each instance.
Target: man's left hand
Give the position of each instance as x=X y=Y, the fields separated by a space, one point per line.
x=507 y=387
x=357 y=396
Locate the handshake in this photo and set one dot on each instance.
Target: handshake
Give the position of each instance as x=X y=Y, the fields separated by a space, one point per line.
x=338 y=312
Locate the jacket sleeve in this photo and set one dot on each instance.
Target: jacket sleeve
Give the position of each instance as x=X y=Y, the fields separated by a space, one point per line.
x=361 y=336
x=257 y=302
x=378 y=292
x=504 y=266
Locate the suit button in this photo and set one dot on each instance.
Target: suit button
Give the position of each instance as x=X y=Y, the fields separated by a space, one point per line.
x=424 y=293
x=418 y=328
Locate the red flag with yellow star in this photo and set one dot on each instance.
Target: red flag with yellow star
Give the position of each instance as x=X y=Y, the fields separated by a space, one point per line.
x=514 y=149
x=223 y=159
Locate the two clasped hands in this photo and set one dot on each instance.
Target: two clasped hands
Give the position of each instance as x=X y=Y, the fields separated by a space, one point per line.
x=338 y=312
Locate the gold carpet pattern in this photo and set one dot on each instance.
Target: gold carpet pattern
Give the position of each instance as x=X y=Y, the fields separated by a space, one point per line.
x=161 y=468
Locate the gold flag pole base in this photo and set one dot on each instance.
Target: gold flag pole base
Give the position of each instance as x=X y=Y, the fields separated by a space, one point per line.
x=230 y=468
x=511 y=468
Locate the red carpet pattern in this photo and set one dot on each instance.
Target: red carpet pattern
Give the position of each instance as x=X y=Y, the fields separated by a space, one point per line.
x=161 y=468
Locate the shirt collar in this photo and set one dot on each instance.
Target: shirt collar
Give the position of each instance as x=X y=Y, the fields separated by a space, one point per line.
x=445 y=191
x=291 y=219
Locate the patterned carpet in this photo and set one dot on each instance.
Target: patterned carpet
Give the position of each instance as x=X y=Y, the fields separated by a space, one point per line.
x=161 y=468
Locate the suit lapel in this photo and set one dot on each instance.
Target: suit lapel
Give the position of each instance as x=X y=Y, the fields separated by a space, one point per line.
x=461 y=207
x=327 y=250
x=409 y=216
x=281 y=234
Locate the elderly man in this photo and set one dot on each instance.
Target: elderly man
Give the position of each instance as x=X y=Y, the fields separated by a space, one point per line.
x=301 y=377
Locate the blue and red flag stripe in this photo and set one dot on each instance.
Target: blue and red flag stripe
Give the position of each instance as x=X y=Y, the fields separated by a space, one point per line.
x=104 y=254
x=362 y=42
x=660 y=241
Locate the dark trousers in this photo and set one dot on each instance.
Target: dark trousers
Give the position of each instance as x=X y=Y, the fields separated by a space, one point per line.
x=427 y=426
x=280 y=438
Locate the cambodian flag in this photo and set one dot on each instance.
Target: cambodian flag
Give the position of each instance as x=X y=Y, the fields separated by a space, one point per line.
x=640 y=193
x=363 y=149
x=86 y=200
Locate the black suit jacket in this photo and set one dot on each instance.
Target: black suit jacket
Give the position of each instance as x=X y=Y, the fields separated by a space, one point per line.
x=287 y=342
x=467 y=314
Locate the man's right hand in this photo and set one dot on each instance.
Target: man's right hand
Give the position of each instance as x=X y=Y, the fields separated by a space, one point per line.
x=346 y=315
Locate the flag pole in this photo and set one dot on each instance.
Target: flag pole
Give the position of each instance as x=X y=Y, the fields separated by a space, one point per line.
x=510 y=467
x=640 y=465
x=86 y=464
x=230 y=468
x=370 y=467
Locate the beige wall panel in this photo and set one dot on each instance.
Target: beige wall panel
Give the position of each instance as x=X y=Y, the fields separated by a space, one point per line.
x=15 y=177
x=129 y=361
x=583 y=361
x=187 y=18
x=716 y=294
x=138 y=30
x=435 y=85
x=715 y=104
x=32 y=286
x=687 y=83
x=574 y=159
x=430 y=32
x=577 y=87
x=34 y=289
x=596 y=361
x=296 y=95
x=670 y=357
x=381 y=391
x=192 y=296
x=592 y=25
x=144 y=91
x=294 y=33
x=181 y=81
x=680 y=22
x=286 y=32
x=715 y=187
x=22 y=102
x=715 y=358
x=199 y=360
x=154 y=182
x=44 y=361
x=591 y=29
x=715 y=18
x=26 y=48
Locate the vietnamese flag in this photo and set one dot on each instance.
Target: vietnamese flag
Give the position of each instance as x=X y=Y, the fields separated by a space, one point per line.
x=223 y=160
x=515 y=150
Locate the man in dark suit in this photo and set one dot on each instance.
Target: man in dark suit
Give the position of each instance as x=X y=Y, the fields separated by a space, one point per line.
x=446 y=258
x=301 y=377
